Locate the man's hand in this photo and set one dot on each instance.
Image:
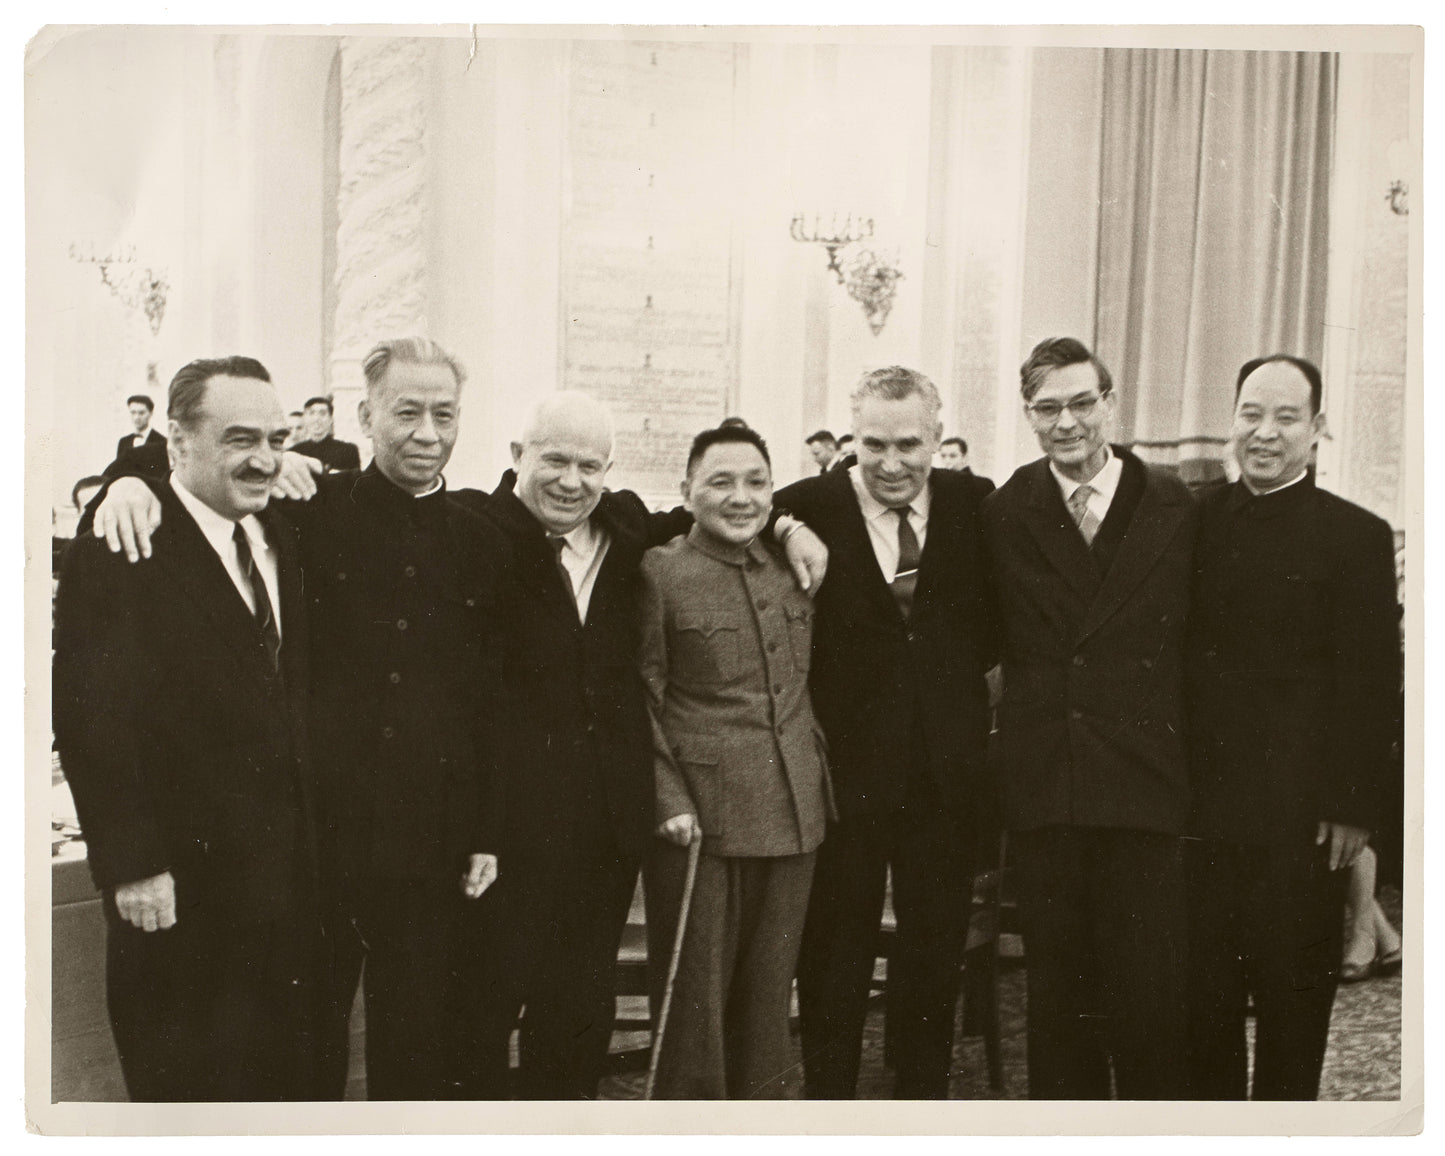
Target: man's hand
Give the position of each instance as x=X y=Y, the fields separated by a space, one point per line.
x=680 y=829
x=148 y=903
x=1346 y=843
x=806 y=555
x=481 y=874
x=297 y=478
x=128 y=517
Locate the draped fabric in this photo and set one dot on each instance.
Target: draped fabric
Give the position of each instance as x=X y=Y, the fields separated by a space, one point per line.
x=1213 y=233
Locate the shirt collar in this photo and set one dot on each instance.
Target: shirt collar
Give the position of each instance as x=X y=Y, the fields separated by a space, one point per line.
x=1303 y=474
x=873 y=509
x=1104 y=483
x=217 y=528
x=580 y=538
x=705 y=543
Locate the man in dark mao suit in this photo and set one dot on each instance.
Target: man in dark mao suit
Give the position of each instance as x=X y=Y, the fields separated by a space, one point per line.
x=402 y=585
x=179 y=699
x=1294 y=676
x=1091 y=553
x=903 y=635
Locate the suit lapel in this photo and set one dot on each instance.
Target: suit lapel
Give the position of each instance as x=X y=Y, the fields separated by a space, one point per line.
x=1047 y=518
x=289 y=578
x=1156 y=521
x=856 y=542
x=197 y=571
x=942 y=503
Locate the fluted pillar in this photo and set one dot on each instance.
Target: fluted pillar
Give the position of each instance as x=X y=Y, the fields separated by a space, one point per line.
x=381 y=205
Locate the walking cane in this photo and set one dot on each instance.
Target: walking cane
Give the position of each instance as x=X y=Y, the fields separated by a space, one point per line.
x=694 y=849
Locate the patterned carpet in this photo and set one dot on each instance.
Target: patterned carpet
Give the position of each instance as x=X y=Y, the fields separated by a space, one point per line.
x=1362 y=1061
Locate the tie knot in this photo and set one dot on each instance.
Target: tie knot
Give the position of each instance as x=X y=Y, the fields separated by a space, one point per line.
x=557 y=542
x=242 y=540
x=902 y=512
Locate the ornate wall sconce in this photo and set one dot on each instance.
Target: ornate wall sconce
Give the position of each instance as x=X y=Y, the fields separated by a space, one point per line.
x=135 y=287
x=870 y=279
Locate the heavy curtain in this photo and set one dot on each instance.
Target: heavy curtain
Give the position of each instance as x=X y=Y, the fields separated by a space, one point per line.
x=1213 y=233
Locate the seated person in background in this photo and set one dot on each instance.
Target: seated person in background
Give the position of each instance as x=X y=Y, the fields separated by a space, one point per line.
x=726 y=645
x=329 y=451
x=1372 y=945
x=61 y=521
x=296 y=422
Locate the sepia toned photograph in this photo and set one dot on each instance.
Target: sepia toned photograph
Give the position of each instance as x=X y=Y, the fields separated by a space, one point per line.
x=598 y=564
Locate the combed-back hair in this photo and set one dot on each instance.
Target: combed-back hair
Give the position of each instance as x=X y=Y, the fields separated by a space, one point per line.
x=959 y=442
x=187 y=391
x=1306 y=367
x=407 y=351
x=823 y=435
x=897 y=383
x=142 y=399
x=723 y=435
x=1057 y=353
x=326 y=401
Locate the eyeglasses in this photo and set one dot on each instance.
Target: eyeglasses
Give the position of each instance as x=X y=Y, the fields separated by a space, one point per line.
x=1051 y=411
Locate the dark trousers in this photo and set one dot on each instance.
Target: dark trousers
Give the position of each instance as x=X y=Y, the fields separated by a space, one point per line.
x=727 y=1032
x=210 y=1010
x=404 y=933
x=1104 y=926
x=931 y=863
x=544 y=946
x=1267 y=922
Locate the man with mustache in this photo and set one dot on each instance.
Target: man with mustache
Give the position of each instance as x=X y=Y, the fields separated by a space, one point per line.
x=402 y=587
x=1294 y=663
x=1091 y=553
x=179 y=711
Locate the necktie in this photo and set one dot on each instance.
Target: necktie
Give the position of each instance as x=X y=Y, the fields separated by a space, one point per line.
x=557 y=542
x=905 y=578
x=265 y=617
x=1083 y=517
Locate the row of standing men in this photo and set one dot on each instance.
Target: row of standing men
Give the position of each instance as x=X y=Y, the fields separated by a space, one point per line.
x=466 y=730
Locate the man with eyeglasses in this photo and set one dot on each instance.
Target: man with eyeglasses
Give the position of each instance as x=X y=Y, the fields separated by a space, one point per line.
x=1091 y=554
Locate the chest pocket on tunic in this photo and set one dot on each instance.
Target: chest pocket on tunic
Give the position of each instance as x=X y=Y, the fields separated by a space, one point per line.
x=800 y=636
x=706 y=647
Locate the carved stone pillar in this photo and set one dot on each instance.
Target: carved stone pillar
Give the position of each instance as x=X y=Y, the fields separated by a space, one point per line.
x=381 y=205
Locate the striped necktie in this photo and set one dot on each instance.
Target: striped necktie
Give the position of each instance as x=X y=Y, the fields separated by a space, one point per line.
x=1084 y=517
x=905 y=578
x=265 y=617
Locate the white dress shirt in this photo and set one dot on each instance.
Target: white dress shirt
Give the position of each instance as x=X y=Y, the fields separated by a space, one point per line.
x=1104 y=484
x=882 y=523
x=218 y=532
x=582 y=553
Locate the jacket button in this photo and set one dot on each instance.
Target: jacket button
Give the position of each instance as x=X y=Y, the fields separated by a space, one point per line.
x=762 y=603
x=471 y=601
x=393 y=678
x=1078 y=660
x=341 y=577
x=401 y=623
x=1076 y=714
x=388 y=733
x=410 y=571
x=1148 y=663
x=773 y=646
x=777 y=688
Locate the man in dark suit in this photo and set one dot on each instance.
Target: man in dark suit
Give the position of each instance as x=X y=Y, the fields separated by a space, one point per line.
x=824 y=448
x=953 y=455
x=141 y=407
x=903 y=635
x=332 y=453
x=1294 y=676
x=402 y=584
x=1091 y=553
x=179 y=701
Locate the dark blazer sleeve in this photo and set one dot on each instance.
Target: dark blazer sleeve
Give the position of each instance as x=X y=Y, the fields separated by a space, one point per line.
x=348 y=457
x=1364 y=630
x=103 y=699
